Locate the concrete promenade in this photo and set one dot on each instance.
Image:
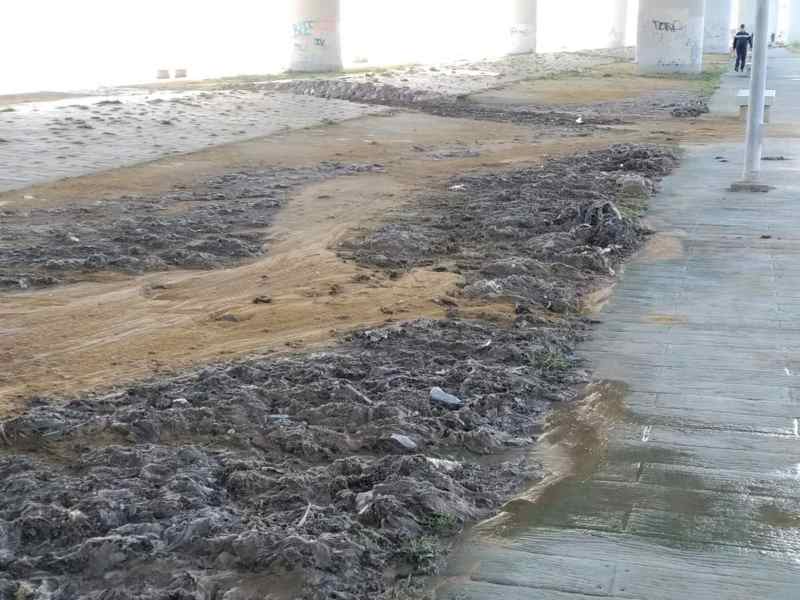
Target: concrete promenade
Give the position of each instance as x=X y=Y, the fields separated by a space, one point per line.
x=682 y=480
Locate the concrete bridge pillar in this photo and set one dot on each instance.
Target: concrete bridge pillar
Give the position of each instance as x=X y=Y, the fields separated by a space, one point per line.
x=718 y=34
x=316 y=40
x=619 y=25
x=523 y=26
x=794 y=22
x=671 y=36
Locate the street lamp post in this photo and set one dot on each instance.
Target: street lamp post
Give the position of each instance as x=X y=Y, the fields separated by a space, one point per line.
x=758 y=85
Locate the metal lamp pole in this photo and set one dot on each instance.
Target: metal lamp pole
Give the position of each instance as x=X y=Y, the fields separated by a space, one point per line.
x=758 y=85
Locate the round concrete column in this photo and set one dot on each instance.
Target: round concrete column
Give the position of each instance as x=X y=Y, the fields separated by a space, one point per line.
x=671 y=36
x=523 y=26
x=619 y=25
x=794 y=22
x=316 y=41
x=718 y=34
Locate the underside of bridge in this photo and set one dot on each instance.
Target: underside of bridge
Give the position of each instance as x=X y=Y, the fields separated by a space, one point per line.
x=671 y=35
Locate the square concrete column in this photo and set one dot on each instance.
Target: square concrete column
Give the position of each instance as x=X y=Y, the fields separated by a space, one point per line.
x=718 y=34
x=524 y=15
x=671 y=36
x=316 y=38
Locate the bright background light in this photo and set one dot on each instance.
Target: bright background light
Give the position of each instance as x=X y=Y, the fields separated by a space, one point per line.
x=393 y=32
x=68 y=45
x=79 y=44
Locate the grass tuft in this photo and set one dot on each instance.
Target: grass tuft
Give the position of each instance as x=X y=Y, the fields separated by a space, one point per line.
x=441 y=524
x=422 y=554
x=551 y=362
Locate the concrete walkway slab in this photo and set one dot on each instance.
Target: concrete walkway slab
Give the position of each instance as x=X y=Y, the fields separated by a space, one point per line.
x=697 y=494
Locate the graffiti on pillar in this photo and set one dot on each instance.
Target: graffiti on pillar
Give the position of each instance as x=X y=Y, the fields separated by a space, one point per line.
x=670 y=26
x=522 y=30
x=303 y=28
x=671 y=38
x=314 y=35
x=522 y=38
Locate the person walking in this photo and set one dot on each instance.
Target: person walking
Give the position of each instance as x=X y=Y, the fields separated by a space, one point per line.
x=742 y=41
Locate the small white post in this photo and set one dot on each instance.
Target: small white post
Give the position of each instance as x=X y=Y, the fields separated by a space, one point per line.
x=758 y=86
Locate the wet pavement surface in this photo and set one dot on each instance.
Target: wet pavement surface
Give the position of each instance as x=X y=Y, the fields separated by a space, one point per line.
x=677 y=475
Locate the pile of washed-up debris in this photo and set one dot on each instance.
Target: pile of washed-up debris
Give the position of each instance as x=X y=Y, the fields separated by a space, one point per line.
x=330 y=475
x=218 y=223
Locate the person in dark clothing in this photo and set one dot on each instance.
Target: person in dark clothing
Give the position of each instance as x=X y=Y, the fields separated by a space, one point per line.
x=741 y=42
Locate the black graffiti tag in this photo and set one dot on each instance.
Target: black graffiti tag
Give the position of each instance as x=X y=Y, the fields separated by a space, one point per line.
x=671 y=26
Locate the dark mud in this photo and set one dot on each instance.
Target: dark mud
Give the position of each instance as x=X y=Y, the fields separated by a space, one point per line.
x=535 y=235
x=219 y=223
x=441 y=105
x=331 y=475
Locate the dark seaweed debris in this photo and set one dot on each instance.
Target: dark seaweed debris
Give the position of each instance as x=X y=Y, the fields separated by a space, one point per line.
x=331 y=469
x=439 y=104
x=219 y=223
x=535 y=235
x=329 y=465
